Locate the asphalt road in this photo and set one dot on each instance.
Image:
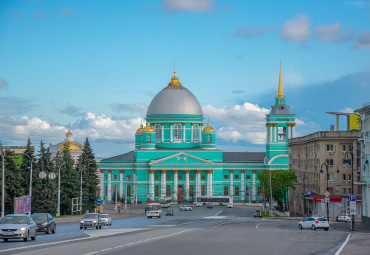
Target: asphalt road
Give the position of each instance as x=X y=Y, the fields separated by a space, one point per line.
x=203 y=231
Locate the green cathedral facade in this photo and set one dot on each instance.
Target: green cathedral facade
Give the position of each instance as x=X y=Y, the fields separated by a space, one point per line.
x=176 y=156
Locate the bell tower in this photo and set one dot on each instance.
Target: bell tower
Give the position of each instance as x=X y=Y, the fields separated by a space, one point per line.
x=280 y=124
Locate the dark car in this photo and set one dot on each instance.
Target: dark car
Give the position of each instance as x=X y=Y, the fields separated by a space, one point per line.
x=45 y=222
x=169 y=213
x=257 y=213
x=210 y=205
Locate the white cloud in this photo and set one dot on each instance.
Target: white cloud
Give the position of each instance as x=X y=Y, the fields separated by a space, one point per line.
x=347 y=110
x=333 y=33
x=173 y=6
x=296 y=29
x=3 y=83
x=363 y=42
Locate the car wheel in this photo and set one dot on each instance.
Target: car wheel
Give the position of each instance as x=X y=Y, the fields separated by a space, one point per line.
x=47 y=231
x=326 y=229
x=54 y=229
x=33 y=238
x=97 y=226
x=5 y=239
x=300 y=226
x=313 y=227
x=27 y=237
x=81 y=227
x=100 y=227
x=85 y=227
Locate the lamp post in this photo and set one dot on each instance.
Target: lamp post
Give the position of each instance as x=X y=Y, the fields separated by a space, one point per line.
x=58 y=209
x=352 y=216
x=30 y=180
x=2 y=186
x=327 y=173
x=81 y=193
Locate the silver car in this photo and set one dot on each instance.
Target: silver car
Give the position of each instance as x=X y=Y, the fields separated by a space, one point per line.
x=90 y=220
x=185 y=208
x=106 y=219
x=17 y=226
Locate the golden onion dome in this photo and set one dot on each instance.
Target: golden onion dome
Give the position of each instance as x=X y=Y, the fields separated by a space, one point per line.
x=73 y=146
x=174 y=81
x=208 y=129
x=69 y=133
x=139 y=130
x=148 y=129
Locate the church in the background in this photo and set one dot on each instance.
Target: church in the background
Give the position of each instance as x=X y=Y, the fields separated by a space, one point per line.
x=176 y=154
x=75 y=148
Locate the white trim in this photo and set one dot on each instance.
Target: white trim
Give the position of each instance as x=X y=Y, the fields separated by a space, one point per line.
x=278 y=156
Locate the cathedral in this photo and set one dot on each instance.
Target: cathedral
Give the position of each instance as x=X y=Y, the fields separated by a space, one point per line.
x=176 y=154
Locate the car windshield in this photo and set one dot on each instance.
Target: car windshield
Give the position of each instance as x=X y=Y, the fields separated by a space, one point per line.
x=104 y=216
x=322 y=219
x=14 y=220
x=90 y=216
x=39 y=216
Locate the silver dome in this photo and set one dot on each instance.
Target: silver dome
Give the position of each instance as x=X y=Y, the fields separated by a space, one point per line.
x=175 y=100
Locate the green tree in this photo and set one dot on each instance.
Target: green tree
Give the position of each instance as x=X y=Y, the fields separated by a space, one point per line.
x=87 y=164
x=14 y=182
x=44 y=189
x=281 y=182
x=69 y=180
x=28 y=157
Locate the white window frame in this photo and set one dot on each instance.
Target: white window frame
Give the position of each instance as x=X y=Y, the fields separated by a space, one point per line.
x=196 y=133
x=177 y=132
x=158 y=132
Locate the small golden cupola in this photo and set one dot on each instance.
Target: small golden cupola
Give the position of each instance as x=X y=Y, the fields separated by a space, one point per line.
x=208 y=129
x=140 y=129
x=174 y=81
x=148 y=128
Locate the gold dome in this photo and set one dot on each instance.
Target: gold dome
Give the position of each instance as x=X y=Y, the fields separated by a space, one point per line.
x=148 y=129
x=174 y=81
x=69 y=133
x=73 y=146
x=208 y=129
x=139 y=130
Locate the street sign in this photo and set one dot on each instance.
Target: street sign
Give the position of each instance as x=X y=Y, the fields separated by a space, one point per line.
x=327 y=193
x=352 y=198
x=308 y=192
x=352 y=210
x=98 y=201
x=327 y=200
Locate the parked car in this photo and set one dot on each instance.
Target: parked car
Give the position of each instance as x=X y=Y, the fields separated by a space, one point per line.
x=91 y=220
x=17 y=226
x=343 y=217
x=106 y=219
x=45 y=222
x=199 y=204
x=230 y=205
x=257 y=213
x=210 y=205
x=185 y=208
x=169 y=213
x=314 y=223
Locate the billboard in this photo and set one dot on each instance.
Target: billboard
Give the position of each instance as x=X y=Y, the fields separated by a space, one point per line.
x=354 y=121
x=22 y=204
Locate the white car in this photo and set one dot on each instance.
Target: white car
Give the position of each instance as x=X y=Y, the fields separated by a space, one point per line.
x=344 y=217
x=230 y=205
x=106 y=219
x=314 y=223
x=185 y=208
x=199 y=204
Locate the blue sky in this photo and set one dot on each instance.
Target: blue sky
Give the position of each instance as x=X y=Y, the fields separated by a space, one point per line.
x=98 y=64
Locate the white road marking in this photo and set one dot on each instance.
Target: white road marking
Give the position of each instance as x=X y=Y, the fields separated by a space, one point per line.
x=109 y=232
x=218 y=213
x=219 y=224
x=215 y=217
x=138 y=242
x=344 y=244
x=257 y=226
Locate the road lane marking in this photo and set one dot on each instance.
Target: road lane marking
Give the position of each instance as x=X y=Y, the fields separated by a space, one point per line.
x=218 y=213
x=257 y=226
x=344 y=244
x=109 y=232
x=219 y=224
x=138 y=242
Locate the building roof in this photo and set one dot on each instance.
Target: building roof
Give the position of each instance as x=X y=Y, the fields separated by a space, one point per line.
x=244 y=156
x=129 y=156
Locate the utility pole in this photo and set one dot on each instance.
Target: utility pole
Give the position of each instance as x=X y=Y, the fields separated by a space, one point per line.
x=30 y=180
x=352 y=191
x=81 y=193
x=270 y=196
x=3 y=183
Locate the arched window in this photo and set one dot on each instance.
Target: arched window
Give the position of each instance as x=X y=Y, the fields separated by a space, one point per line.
x=158 y=132
x=128 y=191
x=195 y=133
x=177 y=132
x=149 y=139
x=209 y=139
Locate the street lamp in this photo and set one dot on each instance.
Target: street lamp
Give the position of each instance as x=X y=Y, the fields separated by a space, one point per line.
x=3 y=183
x=58 y=209
x=30 y=179
x=352 y=216
x=327 y=175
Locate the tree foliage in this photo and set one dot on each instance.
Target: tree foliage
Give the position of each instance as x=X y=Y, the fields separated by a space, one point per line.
x=88 y=166
x=281 y=182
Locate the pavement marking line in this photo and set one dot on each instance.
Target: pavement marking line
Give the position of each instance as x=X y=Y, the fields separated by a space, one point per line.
x=218 y=213
x=219 y=224
x=216 y=217
x=342 y=246
x=138 y=242
x=257 y=226
x=113 y=231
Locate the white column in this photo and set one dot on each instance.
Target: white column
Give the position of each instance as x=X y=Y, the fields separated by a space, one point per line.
x=109 y=184
x=192 y=138
x=231 y=183
x=121 y=183
x=171 y=135
x=275 y=136
x=209 y=182
x=135 y=186
x=198 y=185
x=267 y=133
x=175 y=184
x=102 y=183
x=270 y=130
x=187 y=186
x=163 y=183
x=242 y=185
x=200 y=134
x=162 y=132
x=151 y=185
x=293 y=130
x=183 y=132
x=254 y=185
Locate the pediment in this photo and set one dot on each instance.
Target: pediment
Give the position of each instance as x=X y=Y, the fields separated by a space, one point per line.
x=181 y=158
